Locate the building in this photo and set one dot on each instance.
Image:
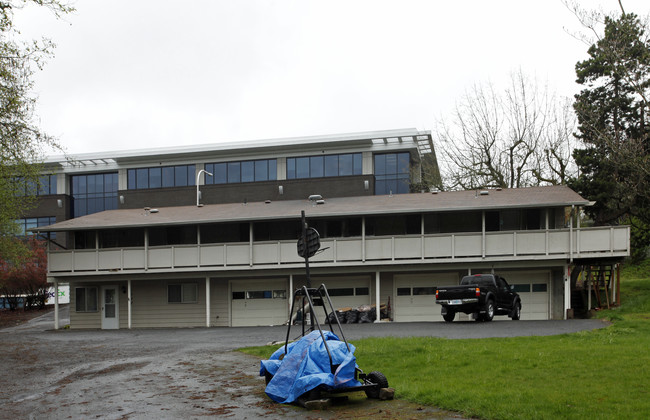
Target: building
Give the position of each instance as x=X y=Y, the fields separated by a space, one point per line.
x=206 y=236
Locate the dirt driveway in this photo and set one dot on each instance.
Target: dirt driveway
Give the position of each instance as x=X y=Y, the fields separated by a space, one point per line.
x=172 y=373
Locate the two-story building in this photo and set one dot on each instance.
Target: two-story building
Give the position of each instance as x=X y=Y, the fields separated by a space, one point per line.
x=206 y=236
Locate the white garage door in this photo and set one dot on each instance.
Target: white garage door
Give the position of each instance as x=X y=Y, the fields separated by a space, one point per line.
x=535 y=290
x=415 y=296
x=259 y=302
x=350 y=292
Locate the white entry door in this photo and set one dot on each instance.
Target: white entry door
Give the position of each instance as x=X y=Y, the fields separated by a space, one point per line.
x=110 y=308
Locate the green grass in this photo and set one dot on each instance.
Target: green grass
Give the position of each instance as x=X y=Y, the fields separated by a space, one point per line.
x=600 y=374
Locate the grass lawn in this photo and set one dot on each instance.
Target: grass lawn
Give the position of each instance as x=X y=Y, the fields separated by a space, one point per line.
x=602 y=374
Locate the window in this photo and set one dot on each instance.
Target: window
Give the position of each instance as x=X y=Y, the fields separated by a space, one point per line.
x=539 y=287
x=45 y=185
x=324 y=166
x=403 y=291
x=172 y=235
x=86 y=299
x=347 y=291
x=521 y=288
x=33 y=222
x=224 y=233
x=161 y=177
x=420 y=291
x=93 y=193
x=392 y=173
x=241 y=171
x=121 y=238
x=183 y=293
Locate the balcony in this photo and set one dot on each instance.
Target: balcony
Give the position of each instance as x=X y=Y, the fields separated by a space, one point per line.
x=598 y=242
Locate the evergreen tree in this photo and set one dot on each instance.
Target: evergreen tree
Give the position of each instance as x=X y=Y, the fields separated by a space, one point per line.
x=612 y=111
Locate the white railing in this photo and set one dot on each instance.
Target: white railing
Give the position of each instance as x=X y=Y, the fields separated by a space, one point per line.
x=552 y=244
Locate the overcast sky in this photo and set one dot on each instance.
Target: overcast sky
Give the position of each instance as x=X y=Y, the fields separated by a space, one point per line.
x=131 y=74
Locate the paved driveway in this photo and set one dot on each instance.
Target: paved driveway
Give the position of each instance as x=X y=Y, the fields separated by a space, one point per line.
x=189 y=373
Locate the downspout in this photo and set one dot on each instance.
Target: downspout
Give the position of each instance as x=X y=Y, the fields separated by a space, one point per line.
x=571 y=234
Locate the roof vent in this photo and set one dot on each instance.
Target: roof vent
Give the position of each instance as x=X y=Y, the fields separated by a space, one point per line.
x=484 y=192
x=320 y=201
x=315 y=197
x=267 y=202
x=154 y=210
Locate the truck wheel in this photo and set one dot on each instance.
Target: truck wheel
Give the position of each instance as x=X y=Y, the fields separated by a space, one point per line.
x=378 y=378
x=489 y=310
x=516 y=313
x=449 y=316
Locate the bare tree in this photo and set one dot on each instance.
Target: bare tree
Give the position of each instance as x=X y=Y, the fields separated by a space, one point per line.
x=515 y=138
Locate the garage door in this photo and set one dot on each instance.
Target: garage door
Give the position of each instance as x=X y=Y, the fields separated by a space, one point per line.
x=534 y=289
x=350 y=292
x=259 y=302
x=415 y=296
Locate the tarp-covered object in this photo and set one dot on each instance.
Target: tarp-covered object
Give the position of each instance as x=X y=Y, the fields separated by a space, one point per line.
x=306 y=366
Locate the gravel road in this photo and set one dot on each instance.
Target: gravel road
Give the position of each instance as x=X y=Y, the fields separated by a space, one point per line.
x=190 y=373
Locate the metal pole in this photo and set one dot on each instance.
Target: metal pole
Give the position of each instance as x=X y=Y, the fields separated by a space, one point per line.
x=304 y=241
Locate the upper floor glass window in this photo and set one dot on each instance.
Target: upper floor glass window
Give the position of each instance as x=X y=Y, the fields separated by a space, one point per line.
x=34 y=222
x=392 y=173
x=93 y=193
x=161 y=177
x=242 y=171
x=324 y=166
x=45 y=185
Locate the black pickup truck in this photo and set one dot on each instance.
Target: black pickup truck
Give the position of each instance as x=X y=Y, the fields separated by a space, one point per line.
x=482 y=295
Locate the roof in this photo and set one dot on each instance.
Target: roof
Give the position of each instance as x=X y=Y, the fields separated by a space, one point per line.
x=114 y=158
x=534 y=197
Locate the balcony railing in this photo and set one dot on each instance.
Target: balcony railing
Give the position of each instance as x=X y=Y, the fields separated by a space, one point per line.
x=595 y=242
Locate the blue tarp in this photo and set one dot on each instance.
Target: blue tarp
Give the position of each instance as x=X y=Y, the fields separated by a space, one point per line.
x=306 y=366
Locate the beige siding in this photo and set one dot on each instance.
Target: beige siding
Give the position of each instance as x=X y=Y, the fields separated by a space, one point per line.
x=84 y=320
x=151 y=309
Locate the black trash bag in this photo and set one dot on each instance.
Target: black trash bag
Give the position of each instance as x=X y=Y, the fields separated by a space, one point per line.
x=352 y=316
x=368 y=316
x=341 y=316
x=331 y=318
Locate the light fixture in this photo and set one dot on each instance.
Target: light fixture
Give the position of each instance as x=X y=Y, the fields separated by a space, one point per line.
x=198 y=193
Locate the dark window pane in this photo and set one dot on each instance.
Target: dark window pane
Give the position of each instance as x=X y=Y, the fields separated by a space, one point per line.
x=345 y=165
x=248 y=171
x=403 y=291
x=273 y=169
x=130 y=179
x=91 y=299
x=174 y=294
x=380 y=164
x=220 y=174
x=155 y=178
x=403 y=163
x=234 y=172
x=238 y=295
x=358 y=164
x=332 y=165
x=168 y=176
x=347 y=291
x=180 y=176
x=191 y=175
x=80 y=299
x=419 y=291
x=521 y=288
x=302 y=167
x=391 y=163
x=261 y=170
x=291 y=168
x=539 y=287
x=316 y=167
x=362 y=291
x=142 y=178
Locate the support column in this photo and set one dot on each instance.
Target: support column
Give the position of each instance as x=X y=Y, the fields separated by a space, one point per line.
x=56 y=304
x=378 y=296
x=290 y=301
x=207 y=302
x=129 y=298
x=567 y=290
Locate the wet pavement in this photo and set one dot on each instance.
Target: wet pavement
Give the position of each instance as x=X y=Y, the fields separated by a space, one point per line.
x=190 y=373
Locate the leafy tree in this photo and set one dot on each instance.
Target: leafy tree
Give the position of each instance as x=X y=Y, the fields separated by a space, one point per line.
x=26 y=276
x=519 y=137
x=22 y=143
x=613 y=124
